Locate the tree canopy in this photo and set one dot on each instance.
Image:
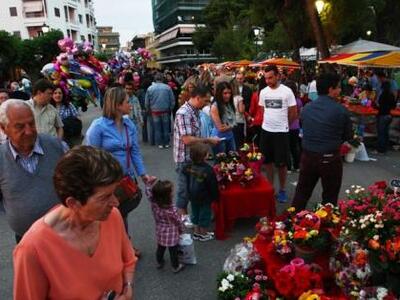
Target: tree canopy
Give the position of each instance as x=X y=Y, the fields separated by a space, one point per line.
x=288 y=25
x=30 y=54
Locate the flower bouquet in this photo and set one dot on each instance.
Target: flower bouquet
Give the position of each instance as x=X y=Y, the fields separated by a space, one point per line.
x=230 y=168
x=308 y=238
x=252 y=157
x=296 y=278
x=371 y=219
x=351 y=268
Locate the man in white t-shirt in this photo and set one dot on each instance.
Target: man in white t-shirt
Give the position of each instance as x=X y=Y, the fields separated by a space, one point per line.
x=280 y=111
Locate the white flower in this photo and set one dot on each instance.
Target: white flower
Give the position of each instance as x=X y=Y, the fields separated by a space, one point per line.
x=376 y=237
x=381 y=293
x=225 y=283
x=230 y=277
x=347 y=192
x=353 y=186
x=222 y=288
x=356 y=191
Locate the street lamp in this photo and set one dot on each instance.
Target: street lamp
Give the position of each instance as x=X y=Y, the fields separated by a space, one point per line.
x=103 y=46
x=45 y=28
x=257 y=32
x=319 y=4
x=369 y=32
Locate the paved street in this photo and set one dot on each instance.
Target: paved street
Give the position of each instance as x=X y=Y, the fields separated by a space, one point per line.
x=196 y=282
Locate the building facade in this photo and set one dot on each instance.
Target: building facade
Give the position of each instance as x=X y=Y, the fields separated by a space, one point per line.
x=108 y=39
x=175 y=21
x=26 y=18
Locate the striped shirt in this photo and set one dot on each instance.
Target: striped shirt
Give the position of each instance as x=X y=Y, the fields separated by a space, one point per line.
x=30 y=162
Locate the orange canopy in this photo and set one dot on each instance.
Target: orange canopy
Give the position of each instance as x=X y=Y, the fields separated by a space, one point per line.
x=280 y=62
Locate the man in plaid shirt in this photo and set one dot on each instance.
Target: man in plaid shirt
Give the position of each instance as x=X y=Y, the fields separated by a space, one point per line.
x=186 y=133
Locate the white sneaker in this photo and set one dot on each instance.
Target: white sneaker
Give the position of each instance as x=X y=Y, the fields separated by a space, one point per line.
x=203 y=237
x=187 y=222
x=160 y=147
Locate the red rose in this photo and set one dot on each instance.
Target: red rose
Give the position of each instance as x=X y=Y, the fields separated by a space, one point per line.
x=381 y=185
x=284 y=284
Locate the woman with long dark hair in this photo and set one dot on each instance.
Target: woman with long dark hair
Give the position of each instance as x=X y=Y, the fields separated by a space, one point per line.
x=69 y=116
x=224 y=118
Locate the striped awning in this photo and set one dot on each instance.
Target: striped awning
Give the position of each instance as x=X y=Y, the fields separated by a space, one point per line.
x=377 y=59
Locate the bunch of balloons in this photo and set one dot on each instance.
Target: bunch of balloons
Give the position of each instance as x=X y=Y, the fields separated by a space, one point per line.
x=122 y=60
x=82 y=76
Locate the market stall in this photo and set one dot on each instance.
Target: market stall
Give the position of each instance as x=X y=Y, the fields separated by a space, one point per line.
x=349 y=251
x=244 y=191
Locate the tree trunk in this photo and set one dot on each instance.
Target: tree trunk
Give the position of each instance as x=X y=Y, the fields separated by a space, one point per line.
x=316 y=26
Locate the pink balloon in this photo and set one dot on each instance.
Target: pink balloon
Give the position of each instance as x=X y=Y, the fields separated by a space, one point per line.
x=65 y=44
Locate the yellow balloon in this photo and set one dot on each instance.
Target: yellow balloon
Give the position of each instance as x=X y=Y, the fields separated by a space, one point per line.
x=86 y=84
x=64 y=69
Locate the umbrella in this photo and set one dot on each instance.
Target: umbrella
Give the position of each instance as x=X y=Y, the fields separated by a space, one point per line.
x=240 y=63
x=279 y=62
x=361 y=46
x=378 y=59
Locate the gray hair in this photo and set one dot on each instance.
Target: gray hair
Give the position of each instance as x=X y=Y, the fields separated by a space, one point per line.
x=5 y=106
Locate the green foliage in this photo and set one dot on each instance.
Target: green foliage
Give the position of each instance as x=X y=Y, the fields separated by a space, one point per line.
x=240 y=286
x=35 y=53
x=233 y=43
x=30 y=54
x=8 y=53
x=103 y=56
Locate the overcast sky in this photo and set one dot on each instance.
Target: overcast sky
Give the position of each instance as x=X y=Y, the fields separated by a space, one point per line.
x=128 y=17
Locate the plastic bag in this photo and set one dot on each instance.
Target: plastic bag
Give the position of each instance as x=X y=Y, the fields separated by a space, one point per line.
x=186 y=251
x=242 y=257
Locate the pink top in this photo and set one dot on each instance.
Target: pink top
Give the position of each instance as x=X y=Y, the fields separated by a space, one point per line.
x=47 y=267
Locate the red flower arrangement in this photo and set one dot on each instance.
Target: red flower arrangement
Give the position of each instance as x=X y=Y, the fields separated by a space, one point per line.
x=296 y=278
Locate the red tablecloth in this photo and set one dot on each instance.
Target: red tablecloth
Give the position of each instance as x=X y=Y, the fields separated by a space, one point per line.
x=237 y=201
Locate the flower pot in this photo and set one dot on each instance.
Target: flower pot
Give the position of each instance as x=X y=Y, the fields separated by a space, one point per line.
x=349 y=157
x=307 y=254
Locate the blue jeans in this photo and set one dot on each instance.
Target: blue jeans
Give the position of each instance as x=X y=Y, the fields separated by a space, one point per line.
x=162 y=129
x=382 y=124
x=225 y=146
x=181 y=187
x=201 y=214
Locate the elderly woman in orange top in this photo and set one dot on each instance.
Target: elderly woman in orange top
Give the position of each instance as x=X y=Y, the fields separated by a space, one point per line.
x=79 y=249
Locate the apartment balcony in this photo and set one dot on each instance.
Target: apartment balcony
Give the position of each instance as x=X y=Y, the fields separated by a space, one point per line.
x=33 y=9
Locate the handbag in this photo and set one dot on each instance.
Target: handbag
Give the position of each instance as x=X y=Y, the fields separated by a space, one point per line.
x=128 y=191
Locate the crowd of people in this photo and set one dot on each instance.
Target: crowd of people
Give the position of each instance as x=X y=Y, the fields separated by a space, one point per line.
x=61 y=196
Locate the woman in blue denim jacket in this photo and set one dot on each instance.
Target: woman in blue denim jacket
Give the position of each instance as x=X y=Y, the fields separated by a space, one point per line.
x=116 y=133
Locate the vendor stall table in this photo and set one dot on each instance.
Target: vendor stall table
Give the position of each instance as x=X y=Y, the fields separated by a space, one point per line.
x=363 y=117
x=395 y=112
x=236 y=201
x=362 y=110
